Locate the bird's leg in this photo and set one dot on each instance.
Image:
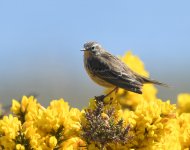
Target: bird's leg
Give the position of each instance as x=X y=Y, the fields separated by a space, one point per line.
x=115 y=89
x=101 y=97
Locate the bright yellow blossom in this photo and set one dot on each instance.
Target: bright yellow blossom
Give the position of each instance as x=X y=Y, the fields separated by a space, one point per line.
x=9 y=126
x=20 y=147
x=183 y=103
x=74 y=143
x=52 y=141
x=15 y=107
x=184 y=137
x=149 y=122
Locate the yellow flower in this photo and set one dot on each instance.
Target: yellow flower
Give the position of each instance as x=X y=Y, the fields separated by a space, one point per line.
x=149 y=122
x=35 y=139
x=170 y=139
x=73 y=125
x=57 y=120
x=27 y=110
x=52 y=141
x=183 y=103
x=184 y=122
x=20 y=147
x=7 y=143
x=54 y=116
x=15 y=107
x=74 y=143
x=9 y=126
x=26 y=102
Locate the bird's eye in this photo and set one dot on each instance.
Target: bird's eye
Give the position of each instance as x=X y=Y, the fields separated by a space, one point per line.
x=92 y=48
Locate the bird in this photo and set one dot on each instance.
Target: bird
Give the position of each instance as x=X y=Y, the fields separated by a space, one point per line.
x=109 y=71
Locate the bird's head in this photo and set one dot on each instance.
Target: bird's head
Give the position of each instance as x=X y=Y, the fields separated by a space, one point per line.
x=93 y=48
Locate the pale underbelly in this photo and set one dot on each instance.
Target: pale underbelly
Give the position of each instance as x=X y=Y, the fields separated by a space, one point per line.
x=100 y=81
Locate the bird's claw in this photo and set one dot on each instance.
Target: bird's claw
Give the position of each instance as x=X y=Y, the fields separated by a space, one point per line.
x=100 y=98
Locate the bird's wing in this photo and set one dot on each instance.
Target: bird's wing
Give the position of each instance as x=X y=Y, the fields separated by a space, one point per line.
x=114 y=71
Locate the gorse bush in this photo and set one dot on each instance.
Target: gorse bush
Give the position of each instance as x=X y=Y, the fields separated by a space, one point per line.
x=123 y=121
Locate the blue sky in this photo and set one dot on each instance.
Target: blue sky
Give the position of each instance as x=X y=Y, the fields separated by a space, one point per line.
x=40 y=43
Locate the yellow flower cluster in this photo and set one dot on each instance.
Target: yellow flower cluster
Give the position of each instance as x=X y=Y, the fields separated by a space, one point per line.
x=123 y=121
x=36 y=127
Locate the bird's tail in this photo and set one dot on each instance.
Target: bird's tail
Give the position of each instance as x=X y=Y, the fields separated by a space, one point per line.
x=148 y=80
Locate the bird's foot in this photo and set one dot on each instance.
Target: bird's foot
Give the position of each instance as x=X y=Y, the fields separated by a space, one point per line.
x=100 y=98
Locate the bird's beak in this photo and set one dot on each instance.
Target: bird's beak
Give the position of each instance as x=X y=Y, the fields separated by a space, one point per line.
x=83 y=50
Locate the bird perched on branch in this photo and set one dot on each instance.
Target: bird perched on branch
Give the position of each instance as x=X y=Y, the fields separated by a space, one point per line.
x=109 y=71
